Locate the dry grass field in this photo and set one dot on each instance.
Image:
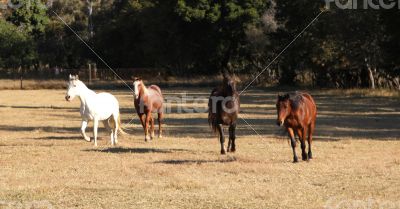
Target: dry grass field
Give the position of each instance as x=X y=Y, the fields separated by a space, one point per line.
x=44 y=162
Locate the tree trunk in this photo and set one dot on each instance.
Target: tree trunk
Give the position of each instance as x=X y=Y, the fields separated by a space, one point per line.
x=21 y=73
x=371 y=78
x=396 y=83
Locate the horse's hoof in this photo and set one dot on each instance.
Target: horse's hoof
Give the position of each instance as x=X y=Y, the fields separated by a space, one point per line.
x=304 y=157
x=159 y=136
x=87 y=139
x=309 y=155
x=147 y=138
x=223 y=152
x=233 y=150
x=295 y=160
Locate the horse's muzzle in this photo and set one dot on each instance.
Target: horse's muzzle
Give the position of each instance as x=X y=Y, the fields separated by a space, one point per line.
x=279 y=122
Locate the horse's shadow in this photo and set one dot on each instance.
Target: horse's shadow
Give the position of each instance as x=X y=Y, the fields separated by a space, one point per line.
x=60 y=138
x=49 y=129
x=181 y=162
x=135 y=150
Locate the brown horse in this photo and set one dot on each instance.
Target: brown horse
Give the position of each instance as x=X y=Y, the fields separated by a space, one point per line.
x=223 y=109
x=298 y=113
x=148 y=100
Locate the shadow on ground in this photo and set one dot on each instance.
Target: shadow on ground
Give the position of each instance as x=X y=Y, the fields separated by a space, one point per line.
x=135 y=150
x=181 y=162
x=339 y=117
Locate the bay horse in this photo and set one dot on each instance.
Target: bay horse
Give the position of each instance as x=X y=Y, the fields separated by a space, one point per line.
x=147 y=101
x=97 y=107
x=298 y=113
x=223 y=109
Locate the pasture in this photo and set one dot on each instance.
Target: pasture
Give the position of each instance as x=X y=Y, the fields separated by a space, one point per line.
x=44 y=158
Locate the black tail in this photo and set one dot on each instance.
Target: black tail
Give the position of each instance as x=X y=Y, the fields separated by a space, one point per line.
x=212 y=111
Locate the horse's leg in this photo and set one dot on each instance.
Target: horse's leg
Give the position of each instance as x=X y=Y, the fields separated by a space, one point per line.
x=112 y=137
x=232 y=137
x=115 y=128
x=221 y=138
x=228 y=149
x=83 y=128
x=309 y=139
x=107 y=124
x=302 y=135
x=142 y=119
x=151 y=127
x=293 y=143
x=160 y=117
x=146 y=127
x=95 y=126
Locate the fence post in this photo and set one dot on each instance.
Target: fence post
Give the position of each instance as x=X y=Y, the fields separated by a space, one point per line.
x=90 y=73
x=20 y=77
x=94 y=71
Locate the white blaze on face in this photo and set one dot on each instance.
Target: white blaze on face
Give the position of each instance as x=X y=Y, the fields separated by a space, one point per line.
x=136 y=89
x=72 y=88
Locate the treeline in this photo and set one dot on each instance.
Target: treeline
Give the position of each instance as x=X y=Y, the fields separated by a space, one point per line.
x=342 y=48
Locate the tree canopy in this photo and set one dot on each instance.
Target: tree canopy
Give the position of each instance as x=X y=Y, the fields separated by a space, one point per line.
x=342 y=48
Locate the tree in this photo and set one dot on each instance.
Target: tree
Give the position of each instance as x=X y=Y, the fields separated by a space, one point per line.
x=31 y=16
x=225 y=25
x=17 y=48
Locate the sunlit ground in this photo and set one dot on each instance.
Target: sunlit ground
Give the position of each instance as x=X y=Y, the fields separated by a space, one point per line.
x=43 y=158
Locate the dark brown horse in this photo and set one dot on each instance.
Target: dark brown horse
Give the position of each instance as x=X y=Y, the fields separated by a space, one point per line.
x=223 y=109
x=148 y=100
x=298 y=113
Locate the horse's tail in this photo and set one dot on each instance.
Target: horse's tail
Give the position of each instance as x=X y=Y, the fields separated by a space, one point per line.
x=121 y=131
x=212 y=114
x=211 y=121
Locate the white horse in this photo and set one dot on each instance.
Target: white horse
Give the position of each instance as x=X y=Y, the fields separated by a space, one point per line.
x=97 y=107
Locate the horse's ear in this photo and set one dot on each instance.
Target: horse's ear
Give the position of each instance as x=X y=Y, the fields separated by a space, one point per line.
x=226 y=75
x=134 y=78
x=70 y=77
x=287 y=96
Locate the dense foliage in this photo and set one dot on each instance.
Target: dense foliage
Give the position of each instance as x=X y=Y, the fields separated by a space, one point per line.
x=342 y=48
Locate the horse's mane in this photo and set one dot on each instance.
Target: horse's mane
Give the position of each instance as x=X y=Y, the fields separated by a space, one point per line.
x=296 y=99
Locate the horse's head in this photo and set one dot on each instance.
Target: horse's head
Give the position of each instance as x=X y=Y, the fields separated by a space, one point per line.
x=229 y=83
x=232 y=85
x=137 y=84
x=74 y=86
x=283 y=108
